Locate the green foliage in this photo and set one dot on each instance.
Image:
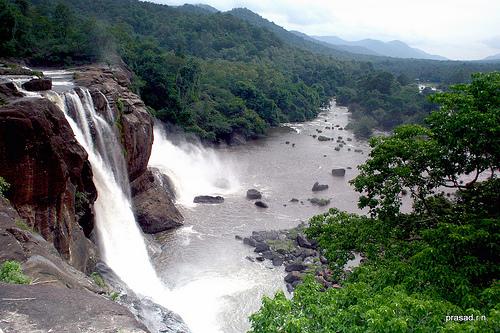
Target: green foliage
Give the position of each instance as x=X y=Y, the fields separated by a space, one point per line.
x=21 y=224
x=114 y=296
x=440 y=260
x=11 y=272
x=462 y=138
x=4 y=187
x=98 y=280
x=211 y=73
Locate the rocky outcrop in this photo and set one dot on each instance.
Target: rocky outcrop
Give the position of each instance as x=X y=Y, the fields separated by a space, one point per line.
x=47 y=308
x=50 y=176
x=110 y=87
x=134 y=122
x=153 y=203
x=63 y=299
x=38 y=85
x=293 y=250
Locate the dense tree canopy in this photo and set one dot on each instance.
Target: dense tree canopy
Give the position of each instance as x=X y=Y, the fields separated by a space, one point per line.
x=213 y=73
x=441 y=259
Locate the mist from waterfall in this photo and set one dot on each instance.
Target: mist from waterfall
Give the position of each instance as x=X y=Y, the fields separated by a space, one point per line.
x=121 y=241
x=193 y=169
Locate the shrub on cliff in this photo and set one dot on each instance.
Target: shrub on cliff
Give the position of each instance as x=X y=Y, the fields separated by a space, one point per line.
x=4 y=187
x=11 y=272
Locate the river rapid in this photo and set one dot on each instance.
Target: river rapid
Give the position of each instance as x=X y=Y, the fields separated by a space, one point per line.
x=214 y=287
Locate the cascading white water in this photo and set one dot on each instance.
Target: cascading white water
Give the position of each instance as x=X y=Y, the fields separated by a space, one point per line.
x=193 y=169
x=121 y=241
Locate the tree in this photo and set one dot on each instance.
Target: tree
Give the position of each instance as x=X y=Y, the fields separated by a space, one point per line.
x=462 y=139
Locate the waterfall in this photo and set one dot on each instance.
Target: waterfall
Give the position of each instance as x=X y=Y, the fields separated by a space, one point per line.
x=193 y=169
x=121 y=241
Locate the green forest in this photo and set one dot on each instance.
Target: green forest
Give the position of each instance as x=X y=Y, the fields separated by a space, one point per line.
x=216 y=74
x=439 y=260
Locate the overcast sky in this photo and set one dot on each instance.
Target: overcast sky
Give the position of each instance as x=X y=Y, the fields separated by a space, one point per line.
x=456 y=29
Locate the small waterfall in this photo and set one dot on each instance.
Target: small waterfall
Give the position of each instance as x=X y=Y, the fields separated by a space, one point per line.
x=193 y=169
x=121 y=241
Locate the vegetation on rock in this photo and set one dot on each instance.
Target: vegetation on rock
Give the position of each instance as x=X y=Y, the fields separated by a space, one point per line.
x=11 y=272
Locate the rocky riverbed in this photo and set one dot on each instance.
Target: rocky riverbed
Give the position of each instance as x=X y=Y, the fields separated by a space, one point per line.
x=291 y=249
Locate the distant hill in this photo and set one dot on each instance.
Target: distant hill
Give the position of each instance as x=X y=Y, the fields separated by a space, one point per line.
x=295 y=39
x=492 y=57
x=198 y=9
x=394 y=48
x=347 y=48
x=208 y=8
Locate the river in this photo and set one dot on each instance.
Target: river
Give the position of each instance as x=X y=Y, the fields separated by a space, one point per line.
x=214 y=286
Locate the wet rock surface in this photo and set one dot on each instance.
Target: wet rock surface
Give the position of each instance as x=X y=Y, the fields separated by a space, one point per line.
x=134 y=122
x=153 y=203
x=50 y=176
x=38 y=84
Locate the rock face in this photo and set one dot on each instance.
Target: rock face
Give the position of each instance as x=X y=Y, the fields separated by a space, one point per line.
x=49 y=308
x=338 y=172
x=38 y=85
x=133 y=120
x=110 y=86
x=253 y=194
x=50 y=176
x=153 y=203
x=208 y=199
x=319 y=187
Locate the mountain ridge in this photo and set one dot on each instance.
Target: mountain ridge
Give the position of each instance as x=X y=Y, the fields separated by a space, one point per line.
x=394 y=48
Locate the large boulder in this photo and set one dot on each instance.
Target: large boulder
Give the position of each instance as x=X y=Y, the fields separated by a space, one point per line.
x=38 y=84
x=319 y=187
x=153 y=203
x=50 y=176
x=253 y=194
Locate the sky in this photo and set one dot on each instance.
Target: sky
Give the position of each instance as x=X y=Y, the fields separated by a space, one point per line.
x=456 y=29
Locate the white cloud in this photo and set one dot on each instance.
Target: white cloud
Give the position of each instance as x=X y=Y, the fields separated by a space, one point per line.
x=457 y=29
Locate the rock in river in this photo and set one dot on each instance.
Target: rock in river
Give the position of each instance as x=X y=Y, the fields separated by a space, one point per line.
x=293 y=276
x=338 y=172
x=253 y=194
x=319 y=187
x=261 y=204
x=38 y=85
x=208 y=199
